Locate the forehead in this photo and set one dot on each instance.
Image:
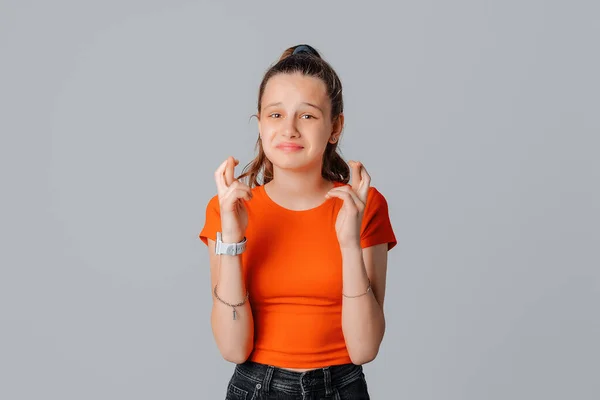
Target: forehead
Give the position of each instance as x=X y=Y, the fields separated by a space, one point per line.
x=290 y=88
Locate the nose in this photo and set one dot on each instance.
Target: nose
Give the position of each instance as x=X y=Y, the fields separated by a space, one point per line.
x=289 y=127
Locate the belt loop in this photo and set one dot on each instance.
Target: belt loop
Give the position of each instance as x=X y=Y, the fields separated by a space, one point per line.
x=267 y=379
x=327 y=376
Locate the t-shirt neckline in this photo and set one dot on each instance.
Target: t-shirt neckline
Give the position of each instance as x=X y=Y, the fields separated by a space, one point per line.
x=277 y=205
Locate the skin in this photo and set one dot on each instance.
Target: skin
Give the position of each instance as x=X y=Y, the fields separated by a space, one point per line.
x=296 y=110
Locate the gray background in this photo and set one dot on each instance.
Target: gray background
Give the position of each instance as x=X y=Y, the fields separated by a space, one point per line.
x=478 y=120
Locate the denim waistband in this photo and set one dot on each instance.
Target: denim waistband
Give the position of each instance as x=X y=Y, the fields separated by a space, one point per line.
x=326 y=378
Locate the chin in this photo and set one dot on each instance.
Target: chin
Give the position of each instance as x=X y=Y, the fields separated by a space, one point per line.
x=290 y=163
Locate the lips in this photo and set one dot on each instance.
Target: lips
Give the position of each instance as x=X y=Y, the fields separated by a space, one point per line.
x=289 y=146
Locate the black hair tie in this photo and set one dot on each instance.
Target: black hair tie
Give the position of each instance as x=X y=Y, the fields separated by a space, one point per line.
x=304 y=49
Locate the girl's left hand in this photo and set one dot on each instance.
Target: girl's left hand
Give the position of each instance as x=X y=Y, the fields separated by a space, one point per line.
x=349 y=219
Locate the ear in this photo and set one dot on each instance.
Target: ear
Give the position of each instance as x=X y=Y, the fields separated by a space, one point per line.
x=338 y=125
x=257 y=115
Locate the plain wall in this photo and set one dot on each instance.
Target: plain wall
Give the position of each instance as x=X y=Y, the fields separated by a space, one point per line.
x=478 y=120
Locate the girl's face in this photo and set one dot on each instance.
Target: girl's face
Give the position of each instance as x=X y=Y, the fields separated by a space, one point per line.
x=295 y=122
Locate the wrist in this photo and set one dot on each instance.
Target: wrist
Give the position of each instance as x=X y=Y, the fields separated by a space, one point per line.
x=229 y=245
x=232 y=237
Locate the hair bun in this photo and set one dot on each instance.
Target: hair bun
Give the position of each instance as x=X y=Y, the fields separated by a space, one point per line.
x=304 y=48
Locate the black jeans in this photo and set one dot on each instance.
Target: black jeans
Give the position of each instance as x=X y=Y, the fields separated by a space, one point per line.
x=253 y=381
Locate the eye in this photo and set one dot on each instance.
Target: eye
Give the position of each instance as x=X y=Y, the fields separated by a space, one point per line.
x=308 y=115
x=275 y=115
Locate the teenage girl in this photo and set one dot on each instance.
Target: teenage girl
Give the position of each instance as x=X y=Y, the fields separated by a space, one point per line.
x=298 y=253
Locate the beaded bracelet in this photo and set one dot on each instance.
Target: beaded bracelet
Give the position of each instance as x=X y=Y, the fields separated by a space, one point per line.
x=362 y=294
x=231 y=305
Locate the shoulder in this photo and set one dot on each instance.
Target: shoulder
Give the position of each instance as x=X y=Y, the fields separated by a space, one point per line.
x=213 y=202
x=376 y=196
x=256 y=189
x=376 y=203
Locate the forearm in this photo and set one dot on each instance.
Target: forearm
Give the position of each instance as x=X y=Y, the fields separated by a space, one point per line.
x=363 y=321
x=234 y=337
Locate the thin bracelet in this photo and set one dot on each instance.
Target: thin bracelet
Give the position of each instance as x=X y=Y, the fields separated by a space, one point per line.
x=359 y=295
x=231 y=305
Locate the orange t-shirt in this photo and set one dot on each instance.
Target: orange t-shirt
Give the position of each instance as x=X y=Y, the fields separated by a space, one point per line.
x=292 y=268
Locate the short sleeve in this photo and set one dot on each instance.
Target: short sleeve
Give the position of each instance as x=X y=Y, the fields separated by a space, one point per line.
x=212 y=222
x=376 y=225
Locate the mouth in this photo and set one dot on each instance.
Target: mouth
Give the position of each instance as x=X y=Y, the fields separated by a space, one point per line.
x=289 y=147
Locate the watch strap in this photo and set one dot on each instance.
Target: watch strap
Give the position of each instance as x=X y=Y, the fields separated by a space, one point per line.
x=230 y=249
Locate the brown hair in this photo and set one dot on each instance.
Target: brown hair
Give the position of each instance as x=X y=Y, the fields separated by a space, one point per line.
x=307 y=62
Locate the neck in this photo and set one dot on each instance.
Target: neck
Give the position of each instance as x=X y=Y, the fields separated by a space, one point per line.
x=299 y=183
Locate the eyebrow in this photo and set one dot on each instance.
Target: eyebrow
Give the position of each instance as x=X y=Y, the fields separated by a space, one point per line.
x=308 y=104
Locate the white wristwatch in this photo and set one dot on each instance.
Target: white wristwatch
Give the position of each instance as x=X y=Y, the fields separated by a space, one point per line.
x=230 y=249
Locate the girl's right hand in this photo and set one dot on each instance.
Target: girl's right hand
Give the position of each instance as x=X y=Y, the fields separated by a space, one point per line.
x=232 y=193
